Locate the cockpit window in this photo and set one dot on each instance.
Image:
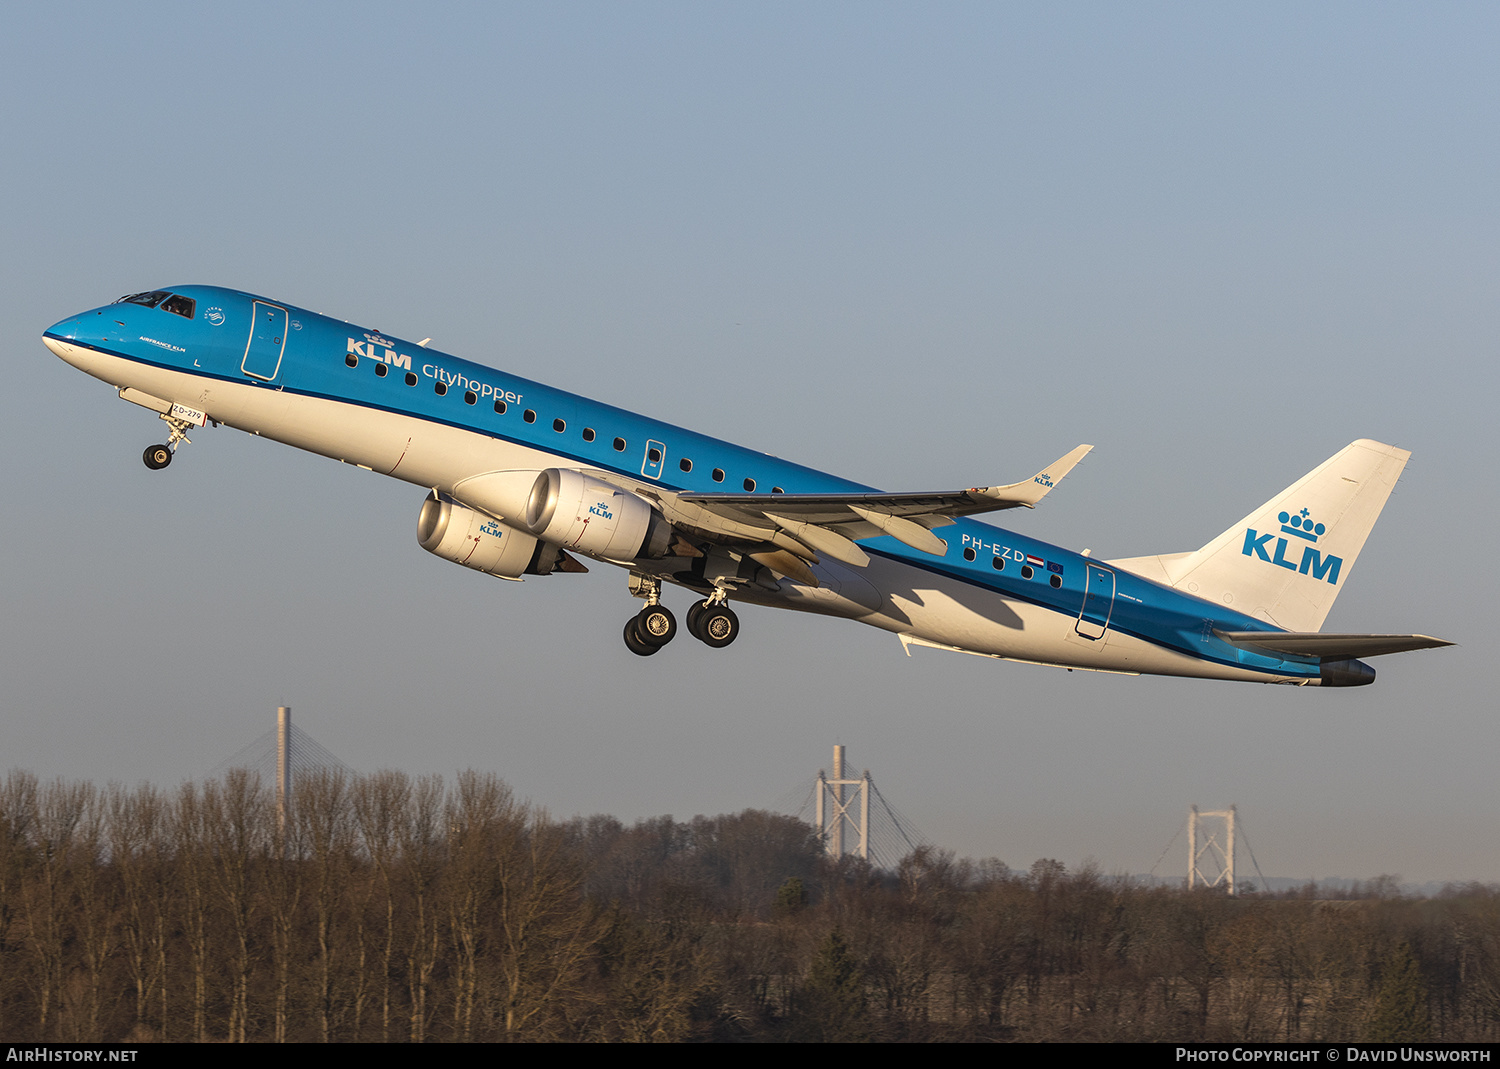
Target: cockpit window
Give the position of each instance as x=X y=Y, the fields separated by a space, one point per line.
x=150 y=299
x=177 y=304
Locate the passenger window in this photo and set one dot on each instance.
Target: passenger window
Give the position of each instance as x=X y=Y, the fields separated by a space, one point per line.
x=470 y=397
x=588 y=434
x=352 y=360
x=411 y=380
x=559 y=426
x=718 y=475
x=440 y=388
x=749 y=486
x=619 y=445
x=529 y=416
x=500 y=408
x=382 y=370
x=685 y=464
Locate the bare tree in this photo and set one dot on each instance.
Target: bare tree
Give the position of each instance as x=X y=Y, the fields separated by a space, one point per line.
x=322 y=812
x=140 y=848
x=420 y=834
x=240 y=823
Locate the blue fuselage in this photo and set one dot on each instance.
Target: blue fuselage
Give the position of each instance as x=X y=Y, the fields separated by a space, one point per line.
x=251 y=343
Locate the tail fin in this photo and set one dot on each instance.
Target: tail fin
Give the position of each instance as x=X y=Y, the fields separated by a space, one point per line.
x=1287 y=560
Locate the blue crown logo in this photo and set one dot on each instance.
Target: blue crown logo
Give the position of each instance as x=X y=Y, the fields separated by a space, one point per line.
x=1301 y=525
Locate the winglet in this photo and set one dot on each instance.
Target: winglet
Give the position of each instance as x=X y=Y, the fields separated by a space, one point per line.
x=1032 y=490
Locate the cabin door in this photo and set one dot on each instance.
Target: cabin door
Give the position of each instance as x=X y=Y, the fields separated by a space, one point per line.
x=267 y=341
x=1098 y=602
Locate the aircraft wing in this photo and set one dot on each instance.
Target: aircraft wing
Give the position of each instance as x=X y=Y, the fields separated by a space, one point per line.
x=1328 y=647
x=807 y=524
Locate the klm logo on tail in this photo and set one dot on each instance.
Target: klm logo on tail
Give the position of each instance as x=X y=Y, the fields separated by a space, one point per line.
x=1299 y=526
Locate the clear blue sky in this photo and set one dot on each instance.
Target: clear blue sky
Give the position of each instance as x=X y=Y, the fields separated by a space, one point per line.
x=918 y=245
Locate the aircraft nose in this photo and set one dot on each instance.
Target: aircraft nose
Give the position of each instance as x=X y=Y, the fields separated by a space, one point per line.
x=64 y=328
x=64 y=336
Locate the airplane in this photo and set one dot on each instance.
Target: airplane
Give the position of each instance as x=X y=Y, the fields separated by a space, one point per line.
x=524 y=480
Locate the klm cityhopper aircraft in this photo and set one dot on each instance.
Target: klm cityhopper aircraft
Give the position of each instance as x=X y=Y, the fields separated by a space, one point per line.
x=524 y=479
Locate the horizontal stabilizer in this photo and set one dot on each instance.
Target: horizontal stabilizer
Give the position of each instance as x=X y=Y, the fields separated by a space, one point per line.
x=1328 y=647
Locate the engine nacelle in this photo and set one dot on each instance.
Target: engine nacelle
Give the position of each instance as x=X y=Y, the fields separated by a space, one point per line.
x=571 y=510
x=464 y=536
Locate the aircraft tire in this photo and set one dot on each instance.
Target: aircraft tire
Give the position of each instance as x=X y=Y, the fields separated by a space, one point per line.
x=695 y=614
x=655 y=625
x=633 y=641
x=718 y=626
x=157 y=457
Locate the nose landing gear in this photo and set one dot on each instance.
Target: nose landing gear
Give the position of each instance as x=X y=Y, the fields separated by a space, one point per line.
x=159 y=456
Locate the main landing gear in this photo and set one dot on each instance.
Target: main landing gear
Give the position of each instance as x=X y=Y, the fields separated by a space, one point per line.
x=713 y=624
x=710 y=621
x=654 y=626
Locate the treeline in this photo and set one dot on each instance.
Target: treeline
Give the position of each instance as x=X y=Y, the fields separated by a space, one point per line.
x=386 y=908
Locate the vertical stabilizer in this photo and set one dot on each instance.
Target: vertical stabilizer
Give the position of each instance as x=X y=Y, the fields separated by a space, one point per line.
x=1287 y=560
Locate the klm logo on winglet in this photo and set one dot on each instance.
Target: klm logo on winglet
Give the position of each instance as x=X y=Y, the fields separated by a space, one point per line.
x=1299 y=526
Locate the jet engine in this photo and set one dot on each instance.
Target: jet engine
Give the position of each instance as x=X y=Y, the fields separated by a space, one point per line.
x=464 y=536
x=572 y=510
